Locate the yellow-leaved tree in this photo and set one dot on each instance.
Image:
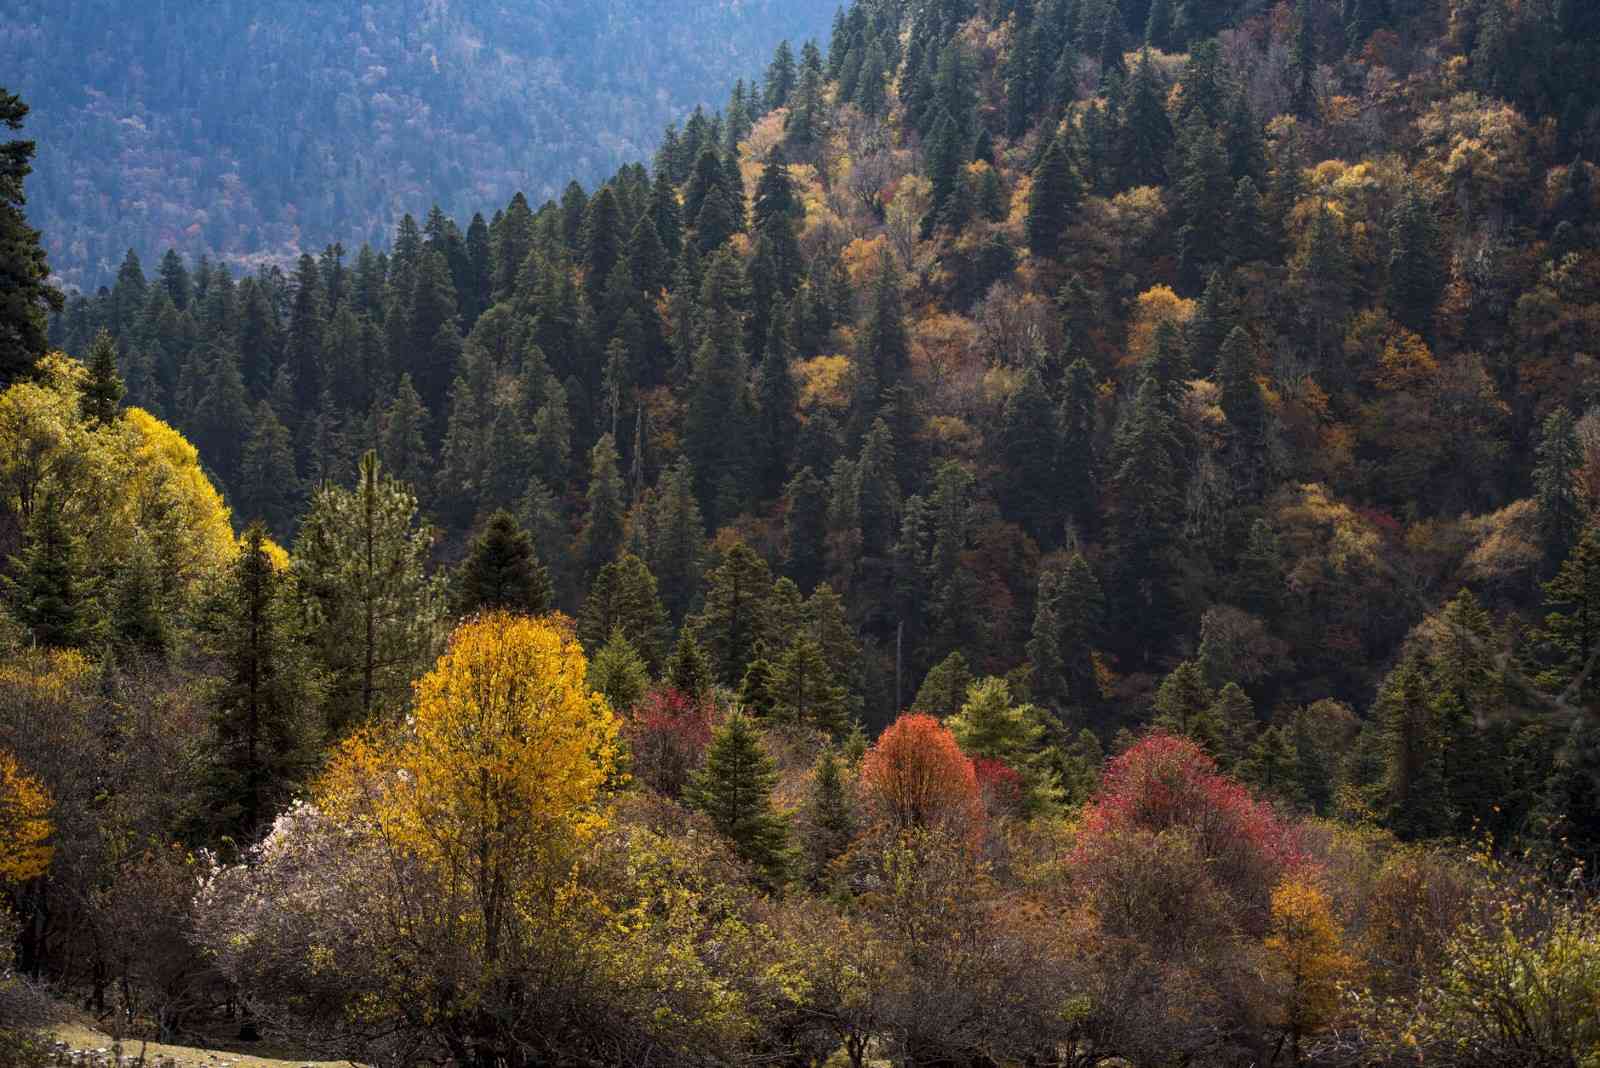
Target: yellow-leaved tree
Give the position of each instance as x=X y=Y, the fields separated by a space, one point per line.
x=494 y=781
x=24 y=823
x=1307 y=945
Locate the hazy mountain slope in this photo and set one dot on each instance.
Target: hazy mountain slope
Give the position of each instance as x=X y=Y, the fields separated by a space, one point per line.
x=235 y=128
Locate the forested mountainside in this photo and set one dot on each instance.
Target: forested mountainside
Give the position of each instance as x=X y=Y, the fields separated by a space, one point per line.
x=247 y=132
x=1053 y=532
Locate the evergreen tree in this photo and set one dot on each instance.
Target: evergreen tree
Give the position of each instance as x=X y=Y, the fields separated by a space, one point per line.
x=53 y=591
x=1258 y=582
x=1569 y=638
x=805 y=526
x=1077 y=467
x=777 y=400
x=141 y=626
x=990 y=726
x=623 y=597
x=1183 y=705
x=1416 y=264
x=26 y=296
x=878 y=492
x=1053 y=200
x=372 y=610
x=265 y=741
x=734 y=789
x=1144 y=133
x=619 y=672
x=735 y=620
x=687 y=669
x=830 y=820
x=1555 y=486
x=1145 y=484
x=402 y=444
x=1244 y=408
x=502 y=572
x=805 y=690
x=1413 y=776
x=268 y=487
x=677 y=540
x=602 y=534
x=782 y=76
x=103 y=391
x=1029 y=443
x=1069 y=612
x=944 y=690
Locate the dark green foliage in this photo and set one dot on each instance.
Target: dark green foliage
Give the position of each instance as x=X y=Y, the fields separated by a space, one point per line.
x=1029 y=443
x=1053 y=200
x=687 y=669
x=944 y=690
x=734 y=789
x=268 y=487
x=1416 y=275
x=264 y=735
x=735 y=620
x=103 y=392
x=1561 y=512
x=623 y=599
x=805 y=690
x=26 y=295
x=602 y=534
x=830 y=819
x=502 y=572
x=52 y=589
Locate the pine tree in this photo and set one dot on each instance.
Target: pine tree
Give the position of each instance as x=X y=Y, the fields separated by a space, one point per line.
x=1244 y=408
x=402 y=441
x=1145 y=485
x=1570 y=635
x=735 y=620
x=805 y=690
x=1144 y=133
x=1555 y=486
x=103 y=391
x=878 y=500
x=623 y=598
x=268 y=487
x=990 y=726
x=677 y=540
x=687 y=669
x=502 y=572
x=602 y=534
x=26 y=298
x=734 y=790
x=944 y=690
x=1416 y=264
x=1183 y=704
x=830 y=820
x=53 y=590
x=777 y=401
x=1413 y=777
x=619 y=672
x=782 y=76
x=805 y=527
x=1030 y=442
x=360 y=566
x=141 y=608
x=1053 y=200
x=265 y=742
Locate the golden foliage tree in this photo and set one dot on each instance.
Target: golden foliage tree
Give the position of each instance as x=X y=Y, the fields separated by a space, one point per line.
x=24 y=823
x=1307 y=945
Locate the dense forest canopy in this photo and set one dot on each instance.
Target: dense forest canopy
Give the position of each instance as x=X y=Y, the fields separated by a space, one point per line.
x=248 y=132
x=1054 y=532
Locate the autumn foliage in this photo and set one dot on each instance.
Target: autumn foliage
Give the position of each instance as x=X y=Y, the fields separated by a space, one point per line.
x=667 y=733
x=918 y=775
x=24 y=823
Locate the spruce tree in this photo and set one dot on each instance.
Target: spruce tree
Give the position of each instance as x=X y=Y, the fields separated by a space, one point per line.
x=623 y=598
x=269 y=488
x=141 y=624
x=805 y=528
x=602 y=533
x=805 y=689
x=735 y=619
x=619 y=672
x=687 y=669
x=103 y=391
x=53 y=590
x=1244 y=408
x=1053 y=200
x=1413 y=769
x=26 y=296
x=944 y=690
x=265 y=739
x=830 y=819
x=989 y=725
x=734 y=790
x=1030 y=442
x=502 y=572
x=1555 y=486
x=1416 y=276
x=373 y=611
x=677 y=540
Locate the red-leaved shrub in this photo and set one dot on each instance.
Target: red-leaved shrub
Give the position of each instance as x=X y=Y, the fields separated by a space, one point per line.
x=918 y=776
x=667 y=734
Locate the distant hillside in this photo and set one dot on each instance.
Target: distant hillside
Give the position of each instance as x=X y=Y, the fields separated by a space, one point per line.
x=235 y=129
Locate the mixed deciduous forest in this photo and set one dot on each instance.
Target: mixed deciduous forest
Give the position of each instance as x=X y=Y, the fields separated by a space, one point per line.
x=1044 y=532
x=246 y=132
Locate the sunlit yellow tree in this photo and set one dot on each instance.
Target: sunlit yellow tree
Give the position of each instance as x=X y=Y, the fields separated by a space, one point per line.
x=1307 y=945
x=24 y=823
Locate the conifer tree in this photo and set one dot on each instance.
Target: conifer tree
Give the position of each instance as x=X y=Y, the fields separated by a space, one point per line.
x=1144 y=134
x=619 y=672
x=805 y=690
x=1030 y=442
x=623 y=598
x=372 y=610
x=777 y=400
x=502 y=573
x=830 y=820
x=141 y=625
x=53 y=590
x=1570 y=635
x=1555 y=486
x=602 y=534
x=805 y=528
x=265 y=737
x=1413 y=770
x=735 y=619
x=1145 y=483
x=1244 y=408
x=734 y=789
x=878 y=501
x=782 y=76
x=1053 y=199
x=103 y=392
x=944 y=690
x=990 y=726
x=677 y=541
x=268 y=487
x=26 y=298
x=687 y=669
x=1416 y=264
x=402 y=437
x=1183 y=705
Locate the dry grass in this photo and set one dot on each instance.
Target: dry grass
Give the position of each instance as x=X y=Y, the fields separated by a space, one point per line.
x=82 y=1035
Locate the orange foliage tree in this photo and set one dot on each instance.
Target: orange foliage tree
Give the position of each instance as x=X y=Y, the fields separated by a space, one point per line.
x=24 y=823
x=918 y=775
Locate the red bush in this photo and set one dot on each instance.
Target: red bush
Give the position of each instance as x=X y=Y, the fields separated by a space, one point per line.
x=667 y=734
x=1166 y=783
x=1000 y=782
x=919 y=776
